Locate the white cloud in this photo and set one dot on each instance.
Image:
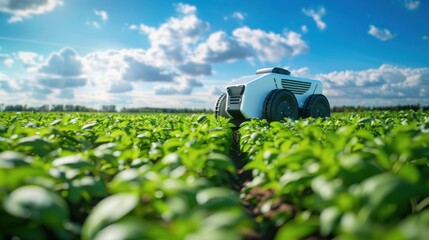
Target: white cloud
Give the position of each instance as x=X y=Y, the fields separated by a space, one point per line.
x=269 y=46
x=29 y=60
x=21 y=9
x=66 y=94
x=185 y=87
x=239 y=15
x=216 y=91
x=103 y=17
x=8 y=62
x=102 y=14
x=220 y=48
x=172 y=42
x=301 y=72
x=317 y=16
x=5 y=84
x=380 y=34
x=65 y=63
x=425 y=38
x=411 y=4
x=142 y=71
x=95 y=24
x=386 y=85
x=304 y=29
x=62 y=70
x=195 y=69
x=120 y=87
x=62 y=82
x=185 y=8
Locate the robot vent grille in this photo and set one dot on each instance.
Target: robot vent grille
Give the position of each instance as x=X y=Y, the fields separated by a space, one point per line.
x=296 y=87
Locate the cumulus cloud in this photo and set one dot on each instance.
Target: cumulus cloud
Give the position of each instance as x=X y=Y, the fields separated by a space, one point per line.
x=185 y=87
x=102 y=14
x=269 y=46
x=195 y=69
x=304 y=29
x=5 y=86
x=380 y=34
x=181 y=43
x=171 y=43
x=39 y=92
x=66 y=94
x=237 y=15
x=29 y=60
x=216 y=91
x=60 y=82
x=141 y=71
x=8 y=84
x=250 y=43
x=103 y=17
x=220 y=48
x=8 y=62
x=62 y=70
x=387 y=84
x=120 y=87
x=411 y=4
x=317 y=16
x=185 y=8
x=64 y=63
x=21 y=9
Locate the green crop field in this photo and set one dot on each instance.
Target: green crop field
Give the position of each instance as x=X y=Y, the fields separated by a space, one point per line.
x=129 y=176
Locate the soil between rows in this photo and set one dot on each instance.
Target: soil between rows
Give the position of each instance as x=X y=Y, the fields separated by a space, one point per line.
x=253 y=200
x=243 y=177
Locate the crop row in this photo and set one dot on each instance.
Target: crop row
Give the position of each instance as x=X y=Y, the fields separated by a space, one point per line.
x=101 y=176
x=350 y=177
x=69 y=176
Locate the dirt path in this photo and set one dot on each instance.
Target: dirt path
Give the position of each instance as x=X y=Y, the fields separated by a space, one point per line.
x=267 y=230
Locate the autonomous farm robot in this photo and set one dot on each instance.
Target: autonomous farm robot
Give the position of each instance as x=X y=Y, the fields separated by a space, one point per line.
x=272 y=94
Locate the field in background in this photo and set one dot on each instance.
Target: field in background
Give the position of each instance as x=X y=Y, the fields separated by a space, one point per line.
x=95 y=176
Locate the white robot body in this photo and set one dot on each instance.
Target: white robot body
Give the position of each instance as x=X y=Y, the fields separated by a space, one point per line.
x=272 y=94
x=257 y=87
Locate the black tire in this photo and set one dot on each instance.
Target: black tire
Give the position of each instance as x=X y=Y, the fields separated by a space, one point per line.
x=220 y=107
x=280 y=104
x=316 y=106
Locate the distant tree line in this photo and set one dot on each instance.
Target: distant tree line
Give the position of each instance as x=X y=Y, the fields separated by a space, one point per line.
x=104 y=108
x=112 y=108
x=166 y=110
x=46 y=108
x=415 y=107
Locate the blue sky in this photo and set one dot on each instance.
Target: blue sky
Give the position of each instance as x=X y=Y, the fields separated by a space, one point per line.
x=182 y=54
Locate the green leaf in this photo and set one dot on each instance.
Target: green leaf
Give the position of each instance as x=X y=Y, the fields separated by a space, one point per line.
x=36 y=144
x=297 y=229
x=385 y=189
x=89 y=126
x=122 y=230
x=108 y=211
x=216 y=197
x=10 y=159
x=75 y=161
x=37 y=204
x=329 y=219
x=221 y=162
